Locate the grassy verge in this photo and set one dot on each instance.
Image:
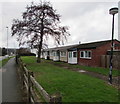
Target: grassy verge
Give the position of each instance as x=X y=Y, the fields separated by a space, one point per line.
x=104 y=71
x=4 y=61
x=74 y=86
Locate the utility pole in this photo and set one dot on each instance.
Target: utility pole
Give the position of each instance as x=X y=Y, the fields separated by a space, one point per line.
x=7 y=40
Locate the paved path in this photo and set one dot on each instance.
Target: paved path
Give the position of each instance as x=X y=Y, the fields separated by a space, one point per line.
x=11 y=91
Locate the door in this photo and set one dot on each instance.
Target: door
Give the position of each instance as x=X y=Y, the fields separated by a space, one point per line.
x=72 y=57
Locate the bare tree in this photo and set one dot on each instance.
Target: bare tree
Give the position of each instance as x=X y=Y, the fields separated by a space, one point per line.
x=39 y=21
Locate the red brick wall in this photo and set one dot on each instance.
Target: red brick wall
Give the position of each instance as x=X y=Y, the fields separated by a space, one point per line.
x=96 y=55
x=84 y=61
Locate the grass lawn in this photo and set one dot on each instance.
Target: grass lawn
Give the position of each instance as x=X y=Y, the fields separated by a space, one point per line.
x=104 y=71
x=73 y=86
x=4 y=61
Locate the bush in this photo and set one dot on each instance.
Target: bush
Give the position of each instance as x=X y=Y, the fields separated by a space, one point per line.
x=27 y=54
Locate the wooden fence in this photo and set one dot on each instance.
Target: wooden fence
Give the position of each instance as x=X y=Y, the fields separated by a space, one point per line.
x=105 y=61
x=34 y=90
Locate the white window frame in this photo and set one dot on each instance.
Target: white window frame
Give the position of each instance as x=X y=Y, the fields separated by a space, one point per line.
x=73 y=54
x=54 y=53
x=51 y=53
x=70 y=54
x=85 y=55
x=63 y=53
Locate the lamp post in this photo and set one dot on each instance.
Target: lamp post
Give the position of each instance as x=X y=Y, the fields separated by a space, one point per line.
x=7 y=39
x=112 y=11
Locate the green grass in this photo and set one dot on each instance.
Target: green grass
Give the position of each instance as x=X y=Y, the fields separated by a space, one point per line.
x=4 y=61
x=73 y=86
x=104 y=71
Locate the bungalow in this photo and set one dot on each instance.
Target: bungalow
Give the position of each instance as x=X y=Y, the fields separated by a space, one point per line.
x=51 y=53
x=89 y=54
x=58 y=53
x=45 y=53
x=64 y=52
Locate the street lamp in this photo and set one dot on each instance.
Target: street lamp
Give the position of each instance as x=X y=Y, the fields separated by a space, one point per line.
x=112 y=11
x=7 y=40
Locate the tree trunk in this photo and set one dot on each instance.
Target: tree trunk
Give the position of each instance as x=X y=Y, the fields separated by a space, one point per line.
x=41 y=38
x=39 y=49
x=39 y=53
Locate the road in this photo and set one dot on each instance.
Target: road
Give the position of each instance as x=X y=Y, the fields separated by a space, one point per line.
x=11 y=91
x=0 y=58
x=3 y=57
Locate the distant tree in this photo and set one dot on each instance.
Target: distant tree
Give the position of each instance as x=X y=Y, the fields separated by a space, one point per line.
x=4 y=51
x=39 y=21
x=0 y=51
x=23 y=50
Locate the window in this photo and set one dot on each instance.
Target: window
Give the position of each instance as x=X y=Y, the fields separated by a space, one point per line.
x=57 y=53
x=81 y=54
x=89 y=54
x=51 y=53
x=63 y=53
x=74 y=54
x=46 y=53
x=54 y=54
x=85 y=54
x=70 y=54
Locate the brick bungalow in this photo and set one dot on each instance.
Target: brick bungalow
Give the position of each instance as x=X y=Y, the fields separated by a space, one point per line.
x=89 y=54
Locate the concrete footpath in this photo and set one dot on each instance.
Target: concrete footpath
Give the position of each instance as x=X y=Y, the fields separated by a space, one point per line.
x=11 y=89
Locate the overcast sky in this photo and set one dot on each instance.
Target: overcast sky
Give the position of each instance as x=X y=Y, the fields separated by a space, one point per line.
x=87 y=21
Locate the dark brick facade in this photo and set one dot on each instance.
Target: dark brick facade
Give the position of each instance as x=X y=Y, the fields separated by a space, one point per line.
x=96 y=55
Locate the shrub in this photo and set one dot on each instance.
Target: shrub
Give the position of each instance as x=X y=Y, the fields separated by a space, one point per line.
x=27 y=54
